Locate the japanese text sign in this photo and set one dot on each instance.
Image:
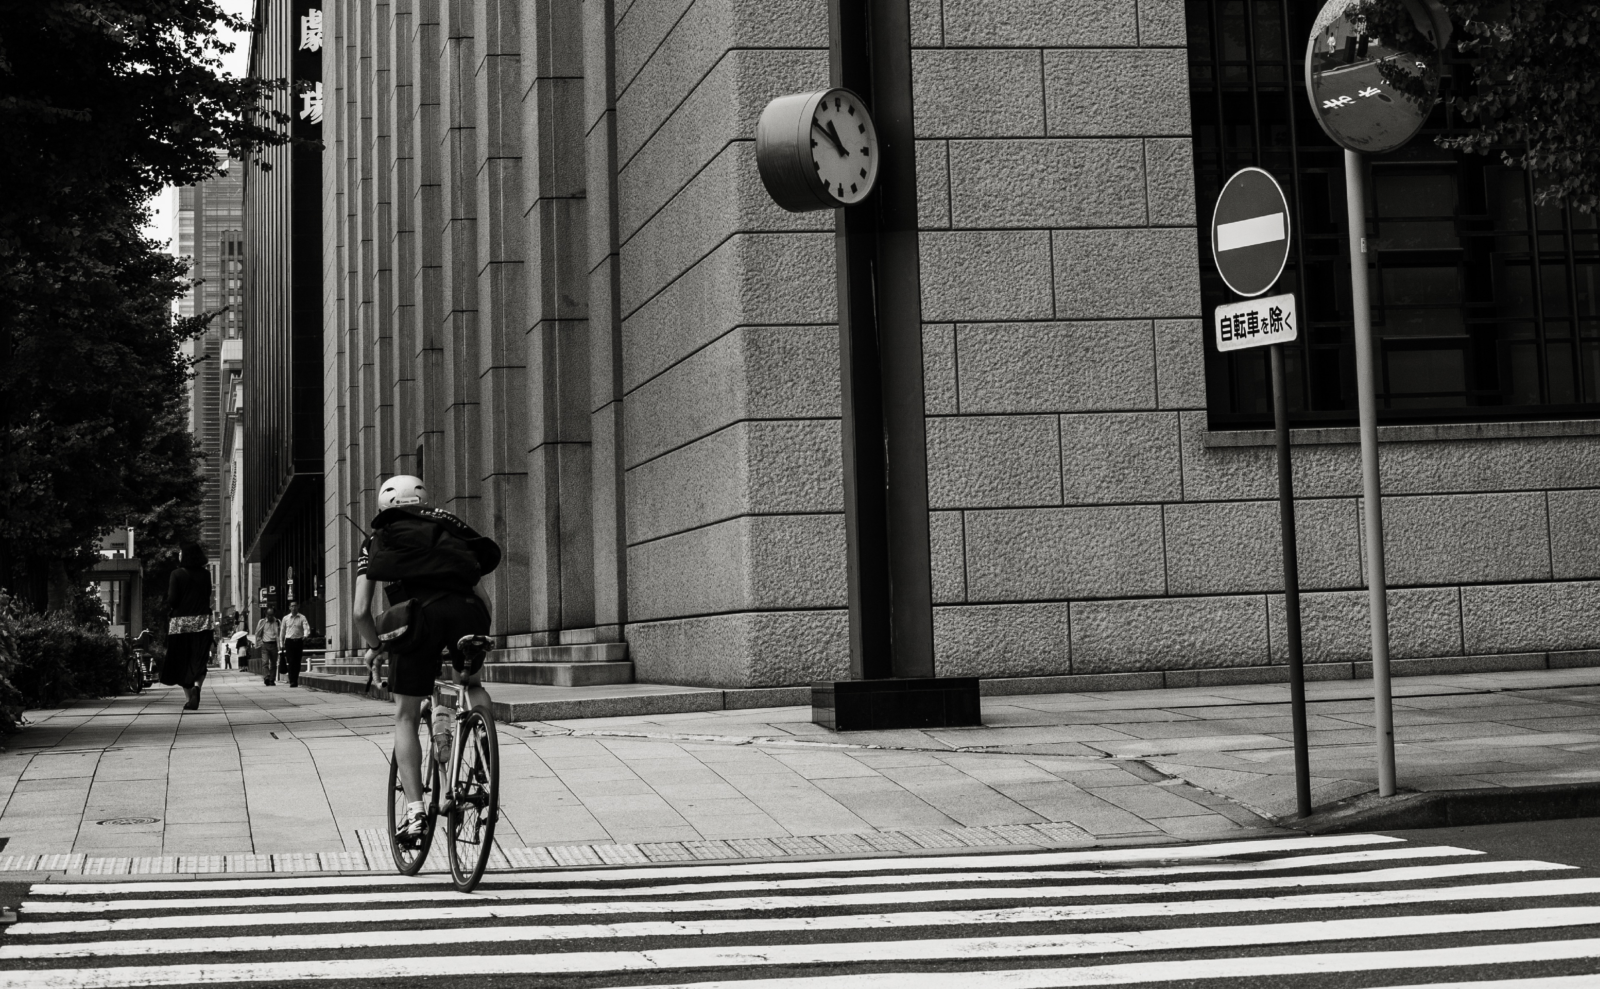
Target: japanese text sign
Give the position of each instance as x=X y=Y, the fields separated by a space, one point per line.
x=1256 y=323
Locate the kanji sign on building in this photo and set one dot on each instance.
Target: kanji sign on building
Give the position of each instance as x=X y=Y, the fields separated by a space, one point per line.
x=311 y=104
x=1256 y=323
x=311 y=30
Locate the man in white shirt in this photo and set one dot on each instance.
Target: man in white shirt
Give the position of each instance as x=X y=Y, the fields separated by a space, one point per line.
x=267 y=631
x=295 y=631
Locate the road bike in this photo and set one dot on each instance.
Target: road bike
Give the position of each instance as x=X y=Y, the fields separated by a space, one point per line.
x=468 y=802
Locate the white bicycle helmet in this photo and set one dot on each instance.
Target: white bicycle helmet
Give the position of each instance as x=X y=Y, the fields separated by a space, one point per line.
x=402 y=489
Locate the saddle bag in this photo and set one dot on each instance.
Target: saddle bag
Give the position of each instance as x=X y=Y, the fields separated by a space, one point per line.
x=400 y=627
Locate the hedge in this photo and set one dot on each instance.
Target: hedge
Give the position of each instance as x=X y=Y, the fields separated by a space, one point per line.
x=47 y=659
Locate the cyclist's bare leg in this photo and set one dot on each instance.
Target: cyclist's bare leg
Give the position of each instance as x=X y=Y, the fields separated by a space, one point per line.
x=407 y=749
x=476 y=695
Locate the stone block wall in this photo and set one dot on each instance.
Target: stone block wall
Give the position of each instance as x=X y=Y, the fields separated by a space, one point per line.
x=729 y=376
x=1083 y=519
x=455 y=317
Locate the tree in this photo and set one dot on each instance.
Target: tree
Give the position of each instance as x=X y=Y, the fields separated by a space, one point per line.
x=1532 y=92
x=102 y=102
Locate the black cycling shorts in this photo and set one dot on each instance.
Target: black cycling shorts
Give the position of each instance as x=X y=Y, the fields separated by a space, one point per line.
x=443 y=622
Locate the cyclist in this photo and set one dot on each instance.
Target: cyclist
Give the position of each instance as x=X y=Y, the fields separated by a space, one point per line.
x=431 y=562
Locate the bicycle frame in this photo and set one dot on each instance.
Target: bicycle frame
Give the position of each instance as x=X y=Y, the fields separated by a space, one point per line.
x=447 y=801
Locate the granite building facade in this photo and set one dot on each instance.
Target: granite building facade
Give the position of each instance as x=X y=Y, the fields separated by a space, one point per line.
x=555 y=287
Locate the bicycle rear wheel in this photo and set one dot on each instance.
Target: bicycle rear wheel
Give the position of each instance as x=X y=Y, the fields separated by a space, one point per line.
x=475 y=799
x=409 y=856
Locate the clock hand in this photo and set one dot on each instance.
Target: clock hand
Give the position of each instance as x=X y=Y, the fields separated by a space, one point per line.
x=831 y=135
x=837 y=139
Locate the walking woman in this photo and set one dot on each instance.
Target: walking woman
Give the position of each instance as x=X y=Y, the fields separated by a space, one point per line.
x=189 y=627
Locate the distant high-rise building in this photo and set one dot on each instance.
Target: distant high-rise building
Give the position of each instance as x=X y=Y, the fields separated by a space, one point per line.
x=209 y=230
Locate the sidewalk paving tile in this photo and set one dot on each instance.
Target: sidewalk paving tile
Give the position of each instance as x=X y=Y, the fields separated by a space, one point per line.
x=1189 y=826
x=1063 y=832
x=845 y=842
x=755 y=847
x=800 y=845
x=622 y=854
x=933 y=837
x=531 y=858
x=710 y=849
x=154 y=865
x=1149 y=802
x=883 y=803
x=101 y=866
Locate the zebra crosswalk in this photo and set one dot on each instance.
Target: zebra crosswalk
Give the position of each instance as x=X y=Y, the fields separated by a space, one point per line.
x=1345 y=910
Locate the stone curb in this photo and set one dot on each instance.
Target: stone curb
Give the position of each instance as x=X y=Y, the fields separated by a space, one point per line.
x=374 y=856
x=1453 y=808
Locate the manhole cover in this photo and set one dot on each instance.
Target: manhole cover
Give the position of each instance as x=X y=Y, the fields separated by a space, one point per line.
x=130 y=820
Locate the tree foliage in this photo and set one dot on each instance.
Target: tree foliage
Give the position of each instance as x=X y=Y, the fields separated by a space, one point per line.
x=1531 y=87
x=102 y=103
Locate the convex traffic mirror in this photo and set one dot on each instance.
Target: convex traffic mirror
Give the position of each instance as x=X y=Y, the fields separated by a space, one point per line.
x=1370 y=93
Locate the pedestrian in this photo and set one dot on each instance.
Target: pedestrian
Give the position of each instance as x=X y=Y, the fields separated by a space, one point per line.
x=295 y=630
x=189 y=625
x=268 y=630
x=241 y=645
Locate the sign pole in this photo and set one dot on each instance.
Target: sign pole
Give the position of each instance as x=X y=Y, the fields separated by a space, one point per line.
x=1366 y=396
x=1250 y=245
x=1291 y=587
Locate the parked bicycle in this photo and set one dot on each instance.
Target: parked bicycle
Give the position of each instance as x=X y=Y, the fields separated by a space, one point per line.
x=468 y=802
x=141 y=663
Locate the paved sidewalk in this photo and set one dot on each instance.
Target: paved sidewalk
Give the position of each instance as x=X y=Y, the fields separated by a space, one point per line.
x=298 y=775
x=1452 y=732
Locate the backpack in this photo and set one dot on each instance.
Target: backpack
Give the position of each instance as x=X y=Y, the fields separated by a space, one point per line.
x=428 y=546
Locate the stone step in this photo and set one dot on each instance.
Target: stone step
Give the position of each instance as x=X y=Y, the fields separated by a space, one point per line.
x=582 y=674
x=558 y=674
x=584 y=652
x=338 y=684
x=349 y=669
x=515 y=702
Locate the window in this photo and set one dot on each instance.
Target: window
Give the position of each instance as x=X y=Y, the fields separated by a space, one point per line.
x=1483 y=306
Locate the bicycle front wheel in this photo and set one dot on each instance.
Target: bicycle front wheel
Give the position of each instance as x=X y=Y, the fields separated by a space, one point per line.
x=475 y=799
x=409 y=855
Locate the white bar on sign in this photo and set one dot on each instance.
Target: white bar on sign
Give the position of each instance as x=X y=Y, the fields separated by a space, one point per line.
x=1249 y=233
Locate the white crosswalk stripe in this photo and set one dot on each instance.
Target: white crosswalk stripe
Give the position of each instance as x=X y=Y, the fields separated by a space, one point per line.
x=1284 y=911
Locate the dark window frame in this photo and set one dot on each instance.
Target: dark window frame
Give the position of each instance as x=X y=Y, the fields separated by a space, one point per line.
x=1521 y=338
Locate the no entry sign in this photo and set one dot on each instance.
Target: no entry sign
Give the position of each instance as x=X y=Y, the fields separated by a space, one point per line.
x=1250 y=232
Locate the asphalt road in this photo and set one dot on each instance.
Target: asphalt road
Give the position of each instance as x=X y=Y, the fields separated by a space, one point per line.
x=1477 y=906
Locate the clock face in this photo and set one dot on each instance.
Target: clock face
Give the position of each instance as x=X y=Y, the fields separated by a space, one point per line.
x=844 y=147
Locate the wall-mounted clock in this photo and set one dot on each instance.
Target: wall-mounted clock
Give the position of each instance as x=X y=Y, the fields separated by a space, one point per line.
x=817 y=150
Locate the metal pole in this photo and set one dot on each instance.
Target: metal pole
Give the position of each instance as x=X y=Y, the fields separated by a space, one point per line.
x=1377 y=584
x=1291 y=587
